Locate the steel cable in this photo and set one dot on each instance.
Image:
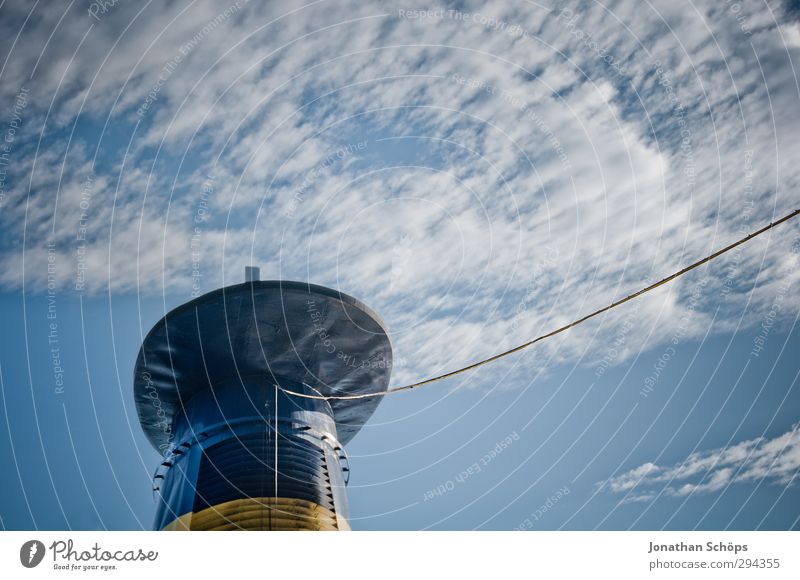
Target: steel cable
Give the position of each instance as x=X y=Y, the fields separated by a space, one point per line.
x=559 y=330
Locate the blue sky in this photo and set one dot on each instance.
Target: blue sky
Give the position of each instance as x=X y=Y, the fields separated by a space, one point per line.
x=477 y=174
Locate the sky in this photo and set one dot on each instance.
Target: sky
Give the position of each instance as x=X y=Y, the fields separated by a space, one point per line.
x=477 y=173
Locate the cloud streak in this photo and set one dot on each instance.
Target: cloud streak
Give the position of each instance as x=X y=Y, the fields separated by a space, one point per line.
x=760 y=460
x=489 y=142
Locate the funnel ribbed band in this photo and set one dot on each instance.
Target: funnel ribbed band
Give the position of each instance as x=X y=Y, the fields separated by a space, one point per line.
x=244 y=467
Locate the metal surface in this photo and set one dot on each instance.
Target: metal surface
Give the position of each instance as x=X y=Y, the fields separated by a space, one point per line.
x=252 y=274
x=211 y=388
x=258 y=514
x=275 y=330
x=252 y=441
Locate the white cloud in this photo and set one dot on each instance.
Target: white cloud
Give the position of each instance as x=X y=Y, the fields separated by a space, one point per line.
x=775 y=461
x=540 y=147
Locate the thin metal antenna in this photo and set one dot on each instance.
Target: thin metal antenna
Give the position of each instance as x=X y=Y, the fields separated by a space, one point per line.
x=252 y=274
